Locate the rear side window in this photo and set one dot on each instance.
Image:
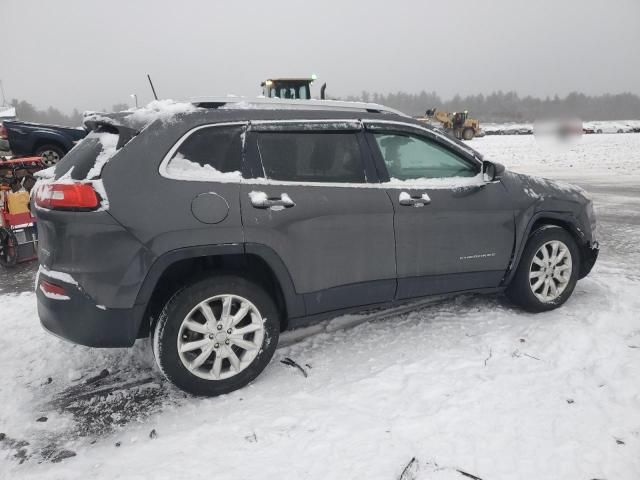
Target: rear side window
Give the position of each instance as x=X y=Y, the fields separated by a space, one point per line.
x=332 y=157
x=210 y=153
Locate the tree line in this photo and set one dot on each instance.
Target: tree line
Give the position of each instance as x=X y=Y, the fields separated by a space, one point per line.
x=510 y=107
x=28 y=112
x=495 y=107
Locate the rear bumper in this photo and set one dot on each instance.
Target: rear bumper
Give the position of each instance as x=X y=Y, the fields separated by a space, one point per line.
x=588 y=258
x=78 y=320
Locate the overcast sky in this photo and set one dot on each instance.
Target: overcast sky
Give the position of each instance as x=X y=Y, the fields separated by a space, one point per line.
x=90 y=54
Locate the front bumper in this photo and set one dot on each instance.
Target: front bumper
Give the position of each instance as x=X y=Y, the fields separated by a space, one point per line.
x=79 y=320
x=589 y=255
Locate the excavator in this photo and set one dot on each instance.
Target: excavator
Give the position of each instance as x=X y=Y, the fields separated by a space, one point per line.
x=457 y=123
x=294 y=88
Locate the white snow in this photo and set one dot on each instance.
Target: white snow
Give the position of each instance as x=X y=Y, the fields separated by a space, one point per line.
x=63 y=277
x=184 y=169
x=109 y=141
x=437 y=183
x=258 y=197
x=470 y=384
x=165 y=110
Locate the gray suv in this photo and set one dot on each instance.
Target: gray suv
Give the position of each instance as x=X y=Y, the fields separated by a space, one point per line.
x=213 y=229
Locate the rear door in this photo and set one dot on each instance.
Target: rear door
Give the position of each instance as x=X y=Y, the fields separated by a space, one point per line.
x=454 y=231
x=312 y=203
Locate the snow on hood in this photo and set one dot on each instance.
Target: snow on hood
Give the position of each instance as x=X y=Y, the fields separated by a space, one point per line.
x=538 y=187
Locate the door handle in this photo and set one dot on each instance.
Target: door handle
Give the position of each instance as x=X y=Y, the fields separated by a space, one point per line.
x=262 y=200
x=414 y=201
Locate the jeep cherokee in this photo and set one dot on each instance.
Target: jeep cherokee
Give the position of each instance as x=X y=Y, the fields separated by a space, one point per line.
x=214 y=228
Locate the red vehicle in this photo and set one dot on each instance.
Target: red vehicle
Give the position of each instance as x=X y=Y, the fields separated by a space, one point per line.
x=18 y=231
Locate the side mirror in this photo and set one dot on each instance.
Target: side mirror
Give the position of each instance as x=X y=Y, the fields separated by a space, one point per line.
x=492 y=171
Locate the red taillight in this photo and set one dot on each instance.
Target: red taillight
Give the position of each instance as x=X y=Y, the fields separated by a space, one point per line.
x=71 y=196
x=4 y=135
x=52 y=288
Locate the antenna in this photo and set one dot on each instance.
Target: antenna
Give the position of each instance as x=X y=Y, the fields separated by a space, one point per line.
x=152 y=89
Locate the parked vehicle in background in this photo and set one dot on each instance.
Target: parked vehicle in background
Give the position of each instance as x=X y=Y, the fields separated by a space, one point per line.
x=280 y=215
x=51 y=142
x=4 y=138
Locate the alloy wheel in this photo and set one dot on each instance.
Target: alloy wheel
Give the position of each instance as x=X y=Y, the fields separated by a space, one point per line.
x=220 y=337
x=550 y=271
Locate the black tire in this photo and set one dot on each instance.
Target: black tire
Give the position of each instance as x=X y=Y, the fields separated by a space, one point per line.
x=50 y=153
x=468 y=134
x=520 y=291
x=165 y=334
x=8 y=248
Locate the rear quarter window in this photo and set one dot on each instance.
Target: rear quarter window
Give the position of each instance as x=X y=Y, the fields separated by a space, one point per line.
x=208 y=154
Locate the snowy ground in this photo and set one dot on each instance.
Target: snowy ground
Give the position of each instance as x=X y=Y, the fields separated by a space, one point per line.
x=459 y=385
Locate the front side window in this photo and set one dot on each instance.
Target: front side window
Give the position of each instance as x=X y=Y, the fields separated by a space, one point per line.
x=311 y=156
x=410 y=157
x=210 y=153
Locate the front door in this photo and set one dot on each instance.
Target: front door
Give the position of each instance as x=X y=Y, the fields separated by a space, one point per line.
x=454 y=231
x=313 y=206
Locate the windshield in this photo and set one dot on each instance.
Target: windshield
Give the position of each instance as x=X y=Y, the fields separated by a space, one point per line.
x=289 y=91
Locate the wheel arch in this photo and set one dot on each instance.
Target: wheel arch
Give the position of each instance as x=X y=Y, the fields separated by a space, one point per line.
x=54 y=140
x=564 y=220
x=252 y=261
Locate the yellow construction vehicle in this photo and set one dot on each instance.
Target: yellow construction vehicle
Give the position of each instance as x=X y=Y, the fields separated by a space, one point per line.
x=294 y=88
x=457 y=123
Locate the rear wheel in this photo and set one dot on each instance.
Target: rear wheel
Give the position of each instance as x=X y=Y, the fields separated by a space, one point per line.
x=216 y=335
x=548 y=270
x=51 y=154
x=468 y=133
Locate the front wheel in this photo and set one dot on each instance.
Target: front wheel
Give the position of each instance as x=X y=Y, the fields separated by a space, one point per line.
x=548 y=270
x=216 y=335
x=468 y=133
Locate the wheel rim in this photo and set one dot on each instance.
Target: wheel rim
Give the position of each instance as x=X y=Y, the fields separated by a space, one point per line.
x=550 y=271
x=220 y=337
x=50 y=157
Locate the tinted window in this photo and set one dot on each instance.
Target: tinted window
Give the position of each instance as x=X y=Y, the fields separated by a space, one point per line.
x=311 y=157
x=409 y=157
x=209 y=151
